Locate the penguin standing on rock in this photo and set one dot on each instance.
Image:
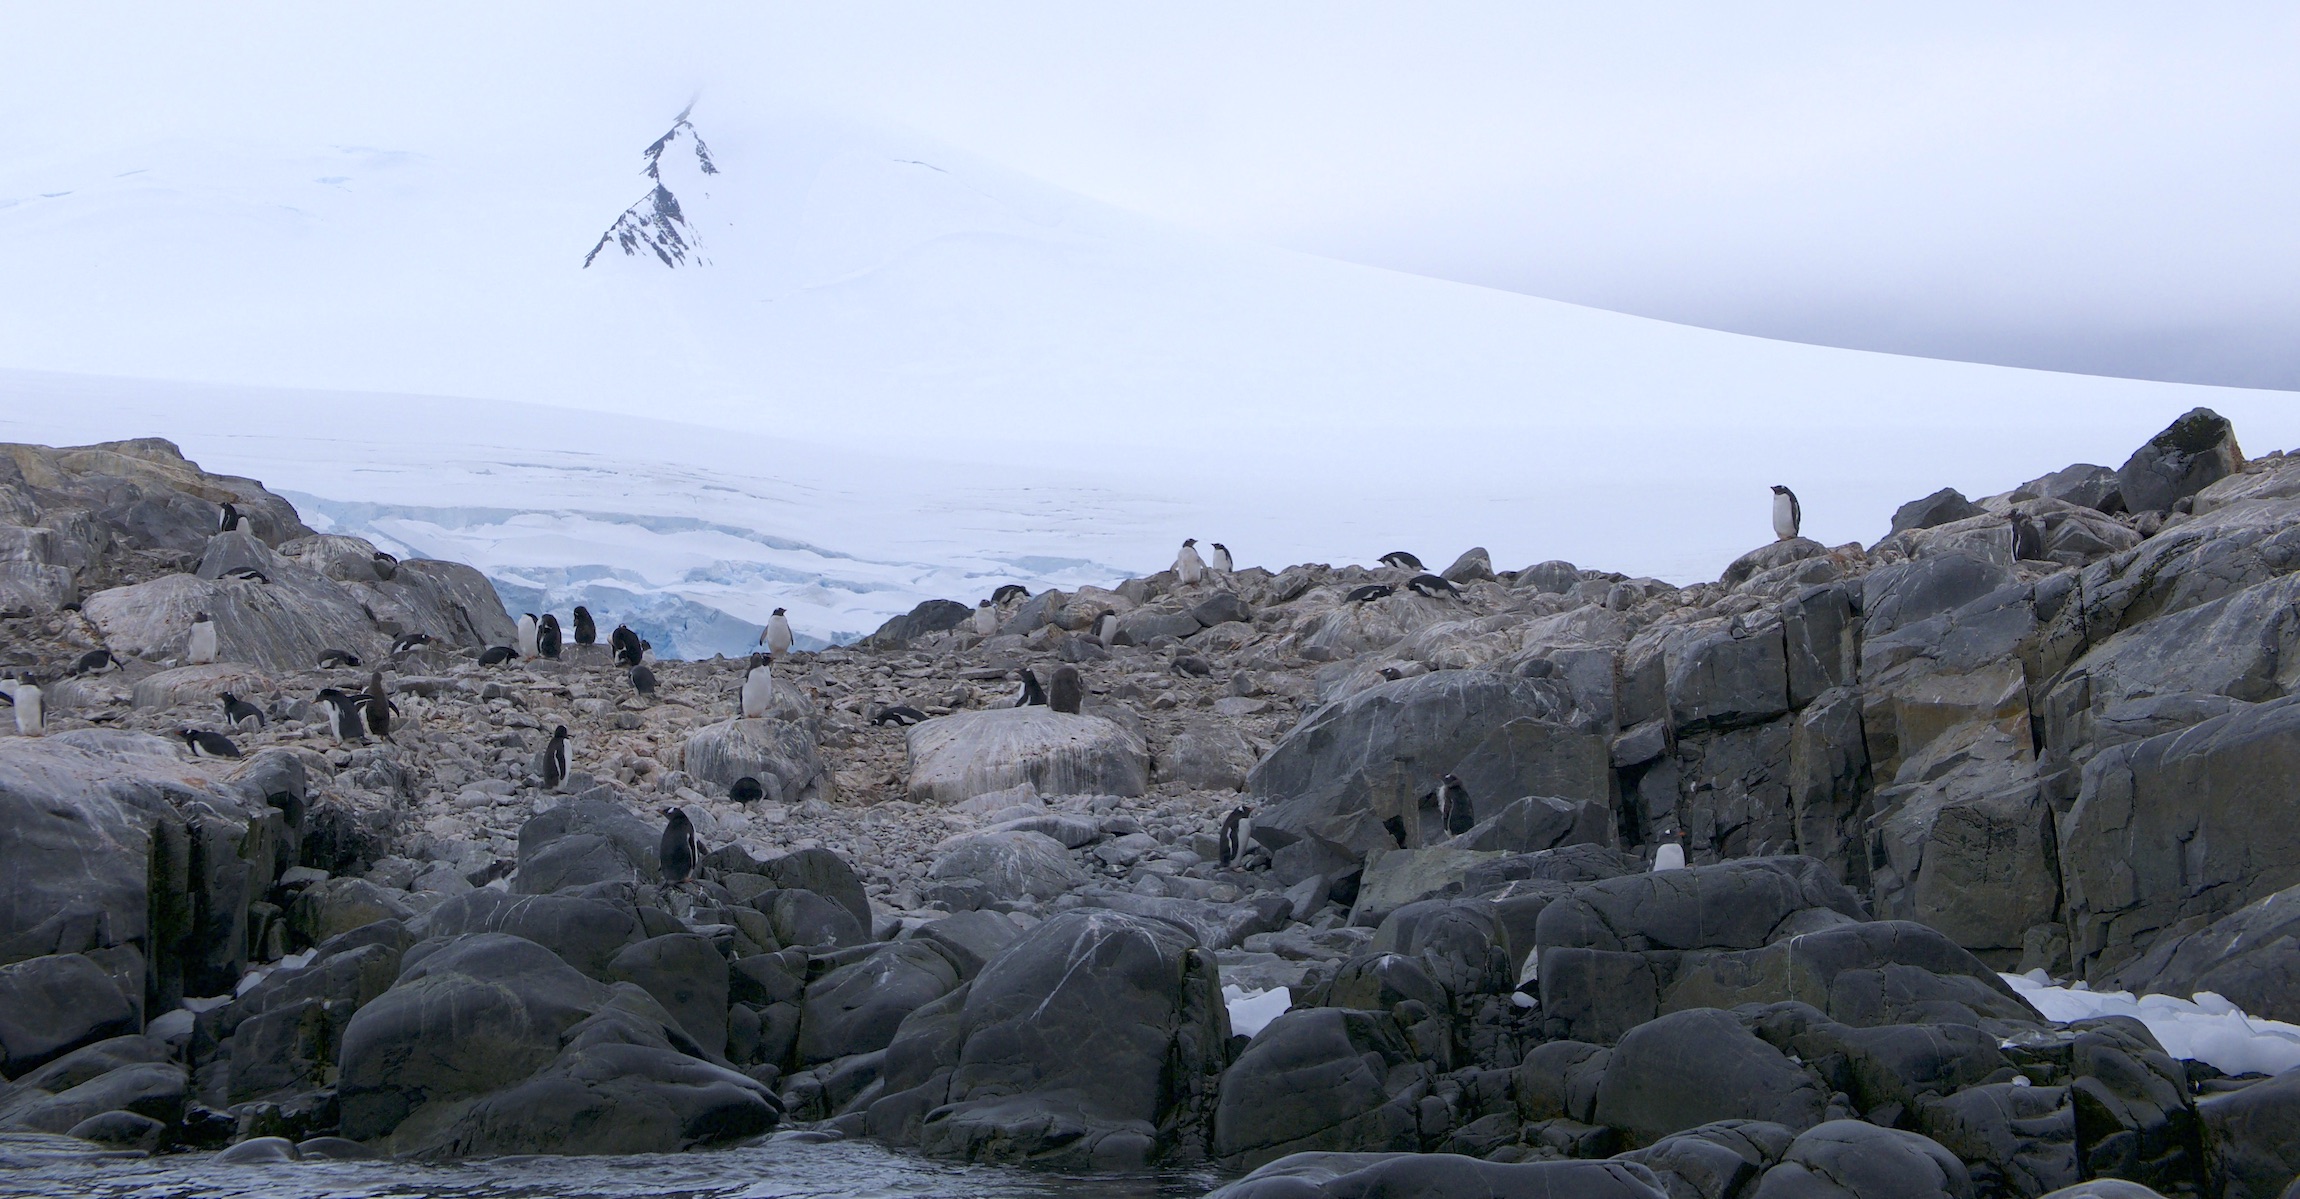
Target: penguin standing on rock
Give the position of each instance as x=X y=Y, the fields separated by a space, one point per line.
x=1032 y=695
x=1454 y=808
x=1106 y=629
x=238 y=712
x=1066 y=692
x=629 y=650
x=643 y=680
x=379 y=707
x=548 y=637
x=777 y=635
x=527 y=634
x=497 y=655
x=586 y=631
x=759 y=687
x=985 y=619
x=1788 y=515
x=1188 y=566
x=1671 y=854
x=230 y=518
x=1220 y=562
x=201 y=648
x=681 y=851
x=1236 y=828
x=555 y=760
x=386 y=566
x=343 y=718
x=24 y=693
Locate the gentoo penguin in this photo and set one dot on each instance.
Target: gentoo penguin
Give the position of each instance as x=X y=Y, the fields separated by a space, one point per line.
x=497 y=655
x=1220 y=562
x=201 y=649
x=629 y=650
x=681 y=851
x=777 y=635
x=526 y=637
x=1671 y=854
x=642 y=680
x=1788 y=517
x=1106 y=629
x=1009 y=593
x=1188 y=566
x=1032 y=696
x=1432 y=585
x=746 y=790
x=586 y=630
x=1402 y=560
x=24 y=693
x=1192 y=665
x=331 y=658
x=1454 y=807
x=2027 y=538
x=379 y=706
x=206 y=744
x=902 y=715
x=555 y=759
x=386 y=566
x=985 y=619
x=238 y=712
x=229 y=518
x=547 y=636
x=1066 y=691
x=759 y=686
x=342 y=711
x=408 y=641
x=247 y=574
x=1236 y=827
x=1368 y=593
x=95 y=661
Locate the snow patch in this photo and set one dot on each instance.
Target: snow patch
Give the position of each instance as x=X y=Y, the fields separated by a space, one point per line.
x=1252 y=1011
x=2206 y=1028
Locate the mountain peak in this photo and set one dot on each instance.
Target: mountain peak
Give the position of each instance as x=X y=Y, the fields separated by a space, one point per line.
x=657 y=224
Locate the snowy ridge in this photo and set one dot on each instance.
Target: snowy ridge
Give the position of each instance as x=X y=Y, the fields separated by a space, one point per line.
x=657 y=223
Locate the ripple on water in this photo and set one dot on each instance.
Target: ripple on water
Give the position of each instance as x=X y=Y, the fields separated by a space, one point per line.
x=781 y=1167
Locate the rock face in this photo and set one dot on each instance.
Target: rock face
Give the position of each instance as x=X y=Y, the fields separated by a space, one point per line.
x=1319 y=1079
x=966 y=754
x=779 y=753
x=2251 y=958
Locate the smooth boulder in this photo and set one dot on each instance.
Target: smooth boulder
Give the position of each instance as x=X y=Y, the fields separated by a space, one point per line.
x=957 y=757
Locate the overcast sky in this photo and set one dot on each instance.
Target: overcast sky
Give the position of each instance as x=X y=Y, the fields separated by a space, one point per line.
x=2102 y=188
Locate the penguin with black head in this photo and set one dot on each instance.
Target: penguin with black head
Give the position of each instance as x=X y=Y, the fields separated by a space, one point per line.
x=681 y=852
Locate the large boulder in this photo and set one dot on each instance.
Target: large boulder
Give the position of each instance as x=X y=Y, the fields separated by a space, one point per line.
x=1357 y=762
x=1097 y=1038
x=2190 y=454
x=685 y=973
x=1731 y=905
x=582 y=842
x=198 y=686
x=52 y=1005
x=587 y=934
x=1849 y=1159
x=1319 y=1079
x=780 y=753
x=280 y=626
x=2250 y=958
x=1940 y=508
x=988 y=867
x=858 y=1007
x=1692 y=1067
x=2252 y=1137
x=957 y=757
x=2234 y=647
x=1969 y=847
x=1430 y=1175
x=2183 y=827
x=824 y=873
x=1715 y=1161
x=930 y=616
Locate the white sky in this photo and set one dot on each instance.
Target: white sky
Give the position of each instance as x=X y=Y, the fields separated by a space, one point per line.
x=2105 y=188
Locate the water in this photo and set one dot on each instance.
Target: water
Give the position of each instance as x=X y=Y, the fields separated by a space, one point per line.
x=777 y=1168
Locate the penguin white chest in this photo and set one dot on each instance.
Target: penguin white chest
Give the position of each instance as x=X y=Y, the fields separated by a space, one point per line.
x=985 y=621
x=28 y=714
x=758 y=692
x=1188 y=567
x=1784 y=515
x=1670 y=856
x=778 y=636
x=202 y=649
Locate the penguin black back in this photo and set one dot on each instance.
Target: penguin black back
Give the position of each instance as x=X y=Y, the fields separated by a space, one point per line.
x=1233 y=834
x=677 y=854
x=1068 y=690
x=642 y=679
x=329 y=658
x=1369 y=593
x=207 y=744
x=1033 y=696
x=408 y=641
x=555 y=759
x=626 y=645
x=379 y=707
x=1454 y=807
x=238 y=711
x=386 y=566
x=95 y=661
x=1011 y=591
x=746 y=790
x=229 y=518
x=497 y=655
x=898 y=714
x=1402 y=560
x=586 y=632
x=1433 y=585
x=547 y=636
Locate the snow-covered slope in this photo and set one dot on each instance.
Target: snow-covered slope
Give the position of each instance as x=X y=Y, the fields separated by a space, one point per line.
x=867 y=368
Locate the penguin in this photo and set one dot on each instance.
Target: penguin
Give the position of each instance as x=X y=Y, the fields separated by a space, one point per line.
x=1236 y=828
x=547 y=636
x=1032 y=695
x=238 y=712
x=31 y=713
x=1066 y=691
x=643 y=680
x=201 y=649
x=95 y=661
x=681 y=851
x=386 y=566
x=1188 y=566
x=1220 y=562
x=985 y=619
x=408 y=641
x=902 y=715
x=1454 y=808
x=746 y=790
x=343 y=719
x=777 y=635
x=1369 y=593
x=1433 y=586
x=555 y=759
x=497 y=655
x=629 y=650
x=206 y=744
x=525 y=639
x=2027 y=538
x=379 y=706
x=1402 y=560
x=1671 y=854
x=247 y=574
x=331 y=658
x=759 y=686
x=1788 y=516
x=586 y=630
x=229 y=518
x=1192 y=665
x=1009 y=593
x=1106 y=629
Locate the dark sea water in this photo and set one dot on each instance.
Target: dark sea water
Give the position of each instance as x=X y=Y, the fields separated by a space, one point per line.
x=778 y=1168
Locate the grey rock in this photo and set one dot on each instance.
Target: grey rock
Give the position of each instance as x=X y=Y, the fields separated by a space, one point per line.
x=1215 y=925
x=1319 y=1079
x=688 y=976
x=1206 y=756
x=2015 y=1140
x=858 y=1007
x=2250 y=957
x=800 y=917
x=2133 y=1116
x=123 y=1129
x=1732 y=905
x=1007 y=866
x=1715 y=1161
x=586 y=933
x=1969 y=849
x=930 y=616
x=780 y=753
x=1558 y=1081
x=1555 y=577
x=339 y=905
x=52 y=1005
x=2083 y=484
x=157 y=1090
x=1222 y=607
x=1907 y=592
x=824 y=873
x=2253 y=1137
x=954 y=758
x=1941 y=507
x=2192 y=453
x=1535 y=823
x=585 y=841
x=1474 y=566
x=1336 y=1175
x=969 y=939
x=1690 y=1068
x=1144 y=625
x=1771 y=557
x=1848 y=1159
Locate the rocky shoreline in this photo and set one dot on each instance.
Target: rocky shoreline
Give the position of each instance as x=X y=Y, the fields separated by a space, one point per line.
x=2049 y=730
